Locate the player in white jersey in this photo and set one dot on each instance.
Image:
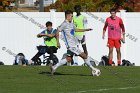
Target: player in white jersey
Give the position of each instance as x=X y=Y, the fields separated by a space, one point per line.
x=67 y=28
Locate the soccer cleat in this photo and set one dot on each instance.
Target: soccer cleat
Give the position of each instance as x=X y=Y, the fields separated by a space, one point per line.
x=119 y=65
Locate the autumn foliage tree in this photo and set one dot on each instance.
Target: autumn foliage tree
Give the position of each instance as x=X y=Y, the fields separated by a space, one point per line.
x=88 y=5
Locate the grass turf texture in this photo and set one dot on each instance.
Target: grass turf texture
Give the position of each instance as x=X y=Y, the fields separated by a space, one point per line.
x=37 y=79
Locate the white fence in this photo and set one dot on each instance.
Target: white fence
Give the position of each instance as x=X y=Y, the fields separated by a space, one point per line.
x=18 y=34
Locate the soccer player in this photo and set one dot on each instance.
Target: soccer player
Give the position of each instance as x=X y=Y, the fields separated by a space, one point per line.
x=51 y=41
x=116 y=34
x=80 y=22
x=68 y=28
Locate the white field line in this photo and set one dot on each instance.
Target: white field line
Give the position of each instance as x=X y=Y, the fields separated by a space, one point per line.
x=104 y=89
x=107 y=89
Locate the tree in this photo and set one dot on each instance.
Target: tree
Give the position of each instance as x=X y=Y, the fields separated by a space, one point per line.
x=88 y=5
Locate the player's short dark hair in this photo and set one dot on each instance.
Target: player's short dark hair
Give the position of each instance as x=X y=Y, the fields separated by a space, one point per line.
x=48 y=23
x=77 y=7
x=68 y=12
x=113 y=10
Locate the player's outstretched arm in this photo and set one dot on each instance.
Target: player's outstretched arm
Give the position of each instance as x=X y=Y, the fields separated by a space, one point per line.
x=48 y=35
x=83 y=30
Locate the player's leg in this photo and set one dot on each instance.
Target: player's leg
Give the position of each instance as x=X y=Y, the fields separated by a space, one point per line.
x=118 y=56
x=110 y=45
x=85 y=49
x=110 y=55
x=83 y=42
x=87 y=61
x=51 y=50
x=38 y=54
x=118 y=50
x=75 y=57
x=62 y=61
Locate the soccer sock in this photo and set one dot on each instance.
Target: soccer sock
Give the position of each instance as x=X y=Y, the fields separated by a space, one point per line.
x=110 y=61
x=87 y=61
x=119 y=61
x=62 y=62
x=68 y=63
x=75 y=59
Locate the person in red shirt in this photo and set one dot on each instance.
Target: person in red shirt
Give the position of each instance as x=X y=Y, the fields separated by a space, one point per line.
x=116 y=34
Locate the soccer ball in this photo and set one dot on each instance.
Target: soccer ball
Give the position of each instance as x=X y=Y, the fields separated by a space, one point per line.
x=96 y=72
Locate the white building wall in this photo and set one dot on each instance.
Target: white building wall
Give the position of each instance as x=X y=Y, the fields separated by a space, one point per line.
x=18 y=34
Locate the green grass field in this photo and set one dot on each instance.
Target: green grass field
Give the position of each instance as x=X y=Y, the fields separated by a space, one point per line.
x=37 y=79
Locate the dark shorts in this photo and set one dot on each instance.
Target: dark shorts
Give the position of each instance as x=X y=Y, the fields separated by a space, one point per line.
x=69 y=53
x=46 y=49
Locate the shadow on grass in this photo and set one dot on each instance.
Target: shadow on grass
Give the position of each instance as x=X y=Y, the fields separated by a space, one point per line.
x=57 y=73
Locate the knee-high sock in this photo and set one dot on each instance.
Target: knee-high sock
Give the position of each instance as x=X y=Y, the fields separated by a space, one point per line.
x=87 y=61
x=110 y=61
x=119 y=61
x=62 y=62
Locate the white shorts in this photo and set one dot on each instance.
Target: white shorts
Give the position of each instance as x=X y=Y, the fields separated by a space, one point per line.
x=75 y=50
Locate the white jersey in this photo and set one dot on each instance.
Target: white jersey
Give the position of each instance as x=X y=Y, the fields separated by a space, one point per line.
x=68 y=29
